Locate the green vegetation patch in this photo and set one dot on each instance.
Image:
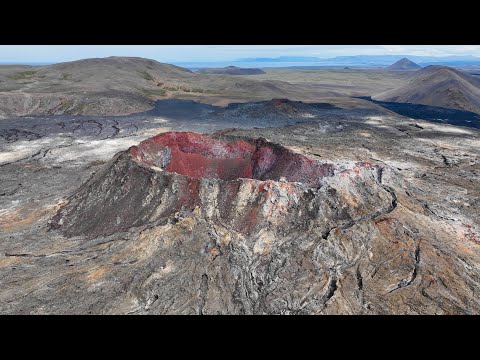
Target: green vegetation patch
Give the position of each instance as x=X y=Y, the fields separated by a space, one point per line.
x=146 y=75
x=170 y=88
x=153 y=92
x=82 y=108
x=66 y=105
x=72 y=107
x=185 y=89
x=203 y=91
x=23 y=75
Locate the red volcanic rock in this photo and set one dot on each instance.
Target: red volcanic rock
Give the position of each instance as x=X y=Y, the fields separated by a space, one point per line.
x=226 y=158
x=245 y=184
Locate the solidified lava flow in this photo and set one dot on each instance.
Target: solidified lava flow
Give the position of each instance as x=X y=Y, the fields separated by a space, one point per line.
x=245 y=184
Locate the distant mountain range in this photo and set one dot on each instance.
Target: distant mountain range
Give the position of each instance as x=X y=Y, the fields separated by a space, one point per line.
x=359 y=61
x=355 y=61
x=379 y=60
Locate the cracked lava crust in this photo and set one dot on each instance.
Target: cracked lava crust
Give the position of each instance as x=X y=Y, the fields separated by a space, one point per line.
x=246 y=185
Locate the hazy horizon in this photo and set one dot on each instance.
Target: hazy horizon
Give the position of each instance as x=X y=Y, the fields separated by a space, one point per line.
x=222 y=54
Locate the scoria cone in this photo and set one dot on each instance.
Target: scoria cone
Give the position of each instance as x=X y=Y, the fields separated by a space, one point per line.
x=247 y=185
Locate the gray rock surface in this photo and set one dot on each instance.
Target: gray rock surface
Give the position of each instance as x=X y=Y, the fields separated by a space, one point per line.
x=394 y=229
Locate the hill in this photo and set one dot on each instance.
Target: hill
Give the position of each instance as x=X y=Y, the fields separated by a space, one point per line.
x=124 y=85
x=438 y=86
x=403 y=64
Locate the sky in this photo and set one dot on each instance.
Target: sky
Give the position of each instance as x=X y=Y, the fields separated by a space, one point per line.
x=210 y=53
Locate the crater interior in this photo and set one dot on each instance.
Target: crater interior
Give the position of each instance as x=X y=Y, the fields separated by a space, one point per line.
x=228 y=158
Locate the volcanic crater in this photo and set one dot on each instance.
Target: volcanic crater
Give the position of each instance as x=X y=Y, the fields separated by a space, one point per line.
x=226 y=158
x=244 y=184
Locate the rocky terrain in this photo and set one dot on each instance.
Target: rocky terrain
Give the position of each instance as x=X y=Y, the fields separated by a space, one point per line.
x=403 y=64
x=275 y=109
x=232 y=70
x=123 y=85
x=438 y=86
x=191 y=208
